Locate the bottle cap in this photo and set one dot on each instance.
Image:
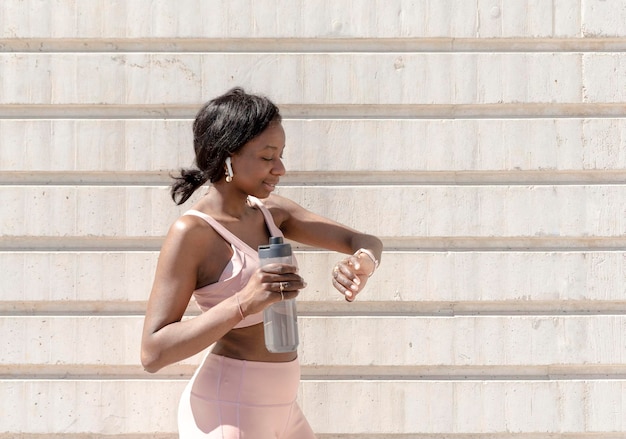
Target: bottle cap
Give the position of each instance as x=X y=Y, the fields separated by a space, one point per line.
x=275 y=249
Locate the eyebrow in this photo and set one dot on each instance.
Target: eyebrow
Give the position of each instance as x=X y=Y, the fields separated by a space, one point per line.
x=273 y=147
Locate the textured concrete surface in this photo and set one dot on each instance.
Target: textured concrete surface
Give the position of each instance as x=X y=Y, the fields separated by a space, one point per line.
x=485 y=142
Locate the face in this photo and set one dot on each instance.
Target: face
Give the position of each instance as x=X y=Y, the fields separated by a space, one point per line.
x=258 y=165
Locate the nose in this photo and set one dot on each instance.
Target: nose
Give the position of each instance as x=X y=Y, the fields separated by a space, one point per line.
x=279 y=168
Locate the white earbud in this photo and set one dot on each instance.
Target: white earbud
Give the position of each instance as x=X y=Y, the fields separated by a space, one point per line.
x=229 y=170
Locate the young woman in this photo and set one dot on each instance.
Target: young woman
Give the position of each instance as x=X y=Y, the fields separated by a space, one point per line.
x=240 y=389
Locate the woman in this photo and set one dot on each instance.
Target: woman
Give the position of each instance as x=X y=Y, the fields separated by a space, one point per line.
x=240 y=389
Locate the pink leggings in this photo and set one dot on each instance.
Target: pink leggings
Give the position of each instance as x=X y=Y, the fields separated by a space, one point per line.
x=237 y=399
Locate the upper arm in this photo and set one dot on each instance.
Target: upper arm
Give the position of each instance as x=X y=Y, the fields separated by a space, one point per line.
x=301 y=225
x=176 y=274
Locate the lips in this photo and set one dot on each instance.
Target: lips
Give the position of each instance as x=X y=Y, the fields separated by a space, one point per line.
x=270 y=186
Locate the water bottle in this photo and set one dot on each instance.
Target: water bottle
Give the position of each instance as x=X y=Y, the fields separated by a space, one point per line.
x=280 y=319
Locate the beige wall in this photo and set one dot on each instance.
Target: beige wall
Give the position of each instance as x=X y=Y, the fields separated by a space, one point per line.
x=484 y=141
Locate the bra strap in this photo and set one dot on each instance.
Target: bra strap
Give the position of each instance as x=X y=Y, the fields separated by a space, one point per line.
x=269 y=220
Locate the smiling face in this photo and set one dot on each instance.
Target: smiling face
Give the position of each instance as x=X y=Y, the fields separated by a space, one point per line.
x=258 y=165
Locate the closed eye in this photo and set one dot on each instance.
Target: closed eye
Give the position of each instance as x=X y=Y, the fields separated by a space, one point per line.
x=269 y=159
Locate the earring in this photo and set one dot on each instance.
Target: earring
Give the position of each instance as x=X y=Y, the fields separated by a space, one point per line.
x=229 y=170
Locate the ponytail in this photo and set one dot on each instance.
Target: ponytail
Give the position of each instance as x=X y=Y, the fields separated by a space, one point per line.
x=186 y=184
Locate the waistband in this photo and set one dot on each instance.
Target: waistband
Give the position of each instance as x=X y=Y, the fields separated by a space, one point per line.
x=226 y=379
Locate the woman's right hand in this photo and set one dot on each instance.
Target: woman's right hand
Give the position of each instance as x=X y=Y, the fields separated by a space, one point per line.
x=269 y=284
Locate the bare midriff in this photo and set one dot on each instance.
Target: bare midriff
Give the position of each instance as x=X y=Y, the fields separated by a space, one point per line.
x=249 y=344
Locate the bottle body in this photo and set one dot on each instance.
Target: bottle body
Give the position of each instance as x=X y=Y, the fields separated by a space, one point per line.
x=280 y=319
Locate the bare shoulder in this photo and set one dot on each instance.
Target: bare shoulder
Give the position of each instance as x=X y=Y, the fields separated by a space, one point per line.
x=191 y=235
x=188 y=227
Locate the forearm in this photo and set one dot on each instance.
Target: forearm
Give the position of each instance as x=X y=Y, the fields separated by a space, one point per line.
x=372 y=245
x=183 y=339
x=369 y=242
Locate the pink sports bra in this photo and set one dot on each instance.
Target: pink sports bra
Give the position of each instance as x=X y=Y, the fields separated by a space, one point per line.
x=237 y=272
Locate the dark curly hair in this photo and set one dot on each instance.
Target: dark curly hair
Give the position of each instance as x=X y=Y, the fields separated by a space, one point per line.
x=222 y=126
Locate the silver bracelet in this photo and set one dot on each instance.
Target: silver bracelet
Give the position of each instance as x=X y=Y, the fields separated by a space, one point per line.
x=371 y=256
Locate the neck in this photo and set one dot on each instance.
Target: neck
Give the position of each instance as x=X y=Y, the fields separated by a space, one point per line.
x=226 y=202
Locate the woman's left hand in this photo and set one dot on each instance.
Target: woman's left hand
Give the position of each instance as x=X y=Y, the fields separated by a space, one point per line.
x=349 y=277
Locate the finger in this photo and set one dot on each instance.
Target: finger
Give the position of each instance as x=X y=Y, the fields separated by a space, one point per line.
x=293 y=281
x=346 y=278
x=354 y=261
x=269 y=279
x=286 y=286
x=346 y=270
x=349 y=295
x=284 y=291
x=280 y=268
